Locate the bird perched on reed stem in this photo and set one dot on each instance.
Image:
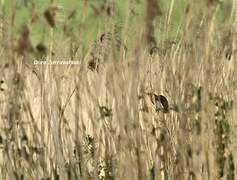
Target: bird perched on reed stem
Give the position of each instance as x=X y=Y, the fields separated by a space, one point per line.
x=160 y=102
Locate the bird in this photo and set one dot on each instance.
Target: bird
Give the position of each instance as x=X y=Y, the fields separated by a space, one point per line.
x=161 y=103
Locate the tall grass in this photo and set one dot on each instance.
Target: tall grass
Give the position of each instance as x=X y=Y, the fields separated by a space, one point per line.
x=95 y=120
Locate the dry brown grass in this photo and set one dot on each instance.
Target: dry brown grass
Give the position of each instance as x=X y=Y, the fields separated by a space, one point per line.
x=95 y=120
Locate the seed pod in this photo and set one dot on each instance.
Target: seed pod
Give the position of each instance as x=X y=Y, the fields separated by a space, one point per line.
x=93 y=64
x=105 y=111
x=24 y=43
x=72 y=14
x=1 y=139
x=41 y=48
x=105 y=36
x=49 y=15
x=228 y=54
x=154 y=50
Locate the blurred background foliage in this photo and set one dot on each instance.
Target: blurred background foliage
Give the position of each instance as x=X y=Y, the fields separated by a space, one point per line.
x=83 y=18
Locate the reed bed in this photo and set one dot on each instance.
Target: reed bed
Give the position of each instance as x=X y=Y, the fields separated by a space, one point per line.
x=94 y=119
